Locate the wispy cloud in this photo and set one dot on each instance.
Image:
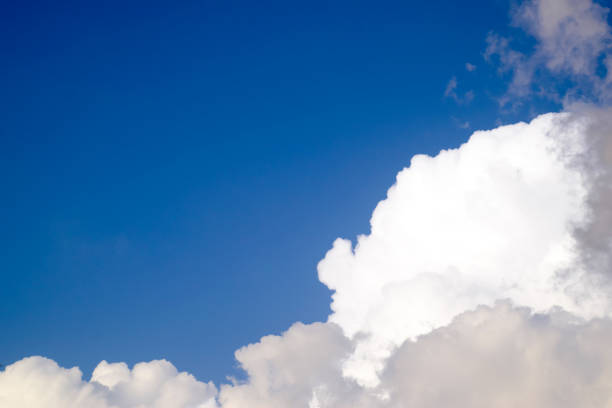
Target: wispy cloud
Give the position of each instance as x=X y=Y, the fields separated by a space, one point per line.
x=573 y=40
x=451 y=92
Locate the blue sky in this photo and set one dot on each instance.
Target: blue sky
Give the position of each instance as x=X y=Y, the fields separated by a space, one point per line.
x=172 y=172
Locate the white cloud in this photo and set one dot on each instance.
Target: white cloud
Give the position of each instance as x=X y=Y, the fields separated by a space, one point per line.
x=37 y=382
x=496 y=218
x=505 y=357
x=500 y=356
x=301 y=368
x=572 y=37
x=521 y=212
x=470 y=67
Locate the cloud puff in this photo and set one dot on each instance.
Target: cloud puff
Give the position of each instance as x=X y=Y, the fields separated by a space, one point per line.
x=301 y=368
x=572 y=37
x=571 y=34
x=37 y=382
x=451 y=92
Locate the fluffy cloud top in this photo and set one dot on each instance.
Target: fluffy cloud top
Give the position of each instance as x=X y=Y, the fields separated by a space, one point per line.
x=37 y=382
x=493 y=219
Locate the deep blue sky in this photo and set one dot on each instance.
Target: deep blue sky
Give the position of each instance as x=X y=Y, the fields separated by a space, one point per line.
x=172 y=172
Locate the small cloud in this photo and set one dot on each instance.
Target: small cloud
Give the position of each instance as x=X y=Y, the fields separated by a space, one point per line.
x=451 y=92
x=470 y=67
x=450 y=88
x=461 y=123
x=469 y=96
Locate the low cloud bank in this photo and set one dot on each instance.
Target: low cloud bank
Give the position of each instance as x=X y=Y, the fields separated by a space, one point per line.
x=39 y=382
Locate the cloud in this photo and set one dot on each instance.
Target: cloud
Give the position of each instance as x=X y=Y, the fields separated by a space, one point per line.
x=451 y=92
x=470 y=67
x=485 y=281
x=496 y=218
x=37 y=382
x=462 y=124
x=572 y=39
x=301 y=368
x=498 y=356
x=571 y=34
x=521 y=212
x=505 y=357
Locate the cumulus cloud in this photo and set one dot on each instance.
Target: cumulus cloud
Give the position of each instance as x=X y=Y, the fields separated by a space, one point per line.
x=505 y=357
x=301 y=368
x=470 y=67
x=572 y=37
x=498 y=356
x=496 y=218
x=37 y=382
x=521 y=212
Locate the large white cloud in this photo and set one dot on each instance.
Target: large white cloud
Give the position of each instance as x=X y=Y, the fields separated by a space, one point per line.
x=494 y=219
x=522 y=212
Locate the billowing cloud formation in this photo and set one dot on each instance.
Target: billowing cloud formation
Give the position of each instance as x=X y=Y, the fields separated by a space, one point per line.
x=37 y=382
x=505 y=357
x=499 y=356
x=520 y=213
x=303 y=367
x=494 y=219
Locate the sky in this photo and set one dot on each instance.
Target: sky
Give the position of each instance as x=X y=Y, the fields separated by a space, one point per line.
x=171 y=167
x=176 y=175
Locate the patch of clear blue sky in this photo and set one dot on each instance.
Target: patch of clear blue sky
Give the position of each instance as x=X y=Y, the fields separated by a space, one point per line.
x=172 y=172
